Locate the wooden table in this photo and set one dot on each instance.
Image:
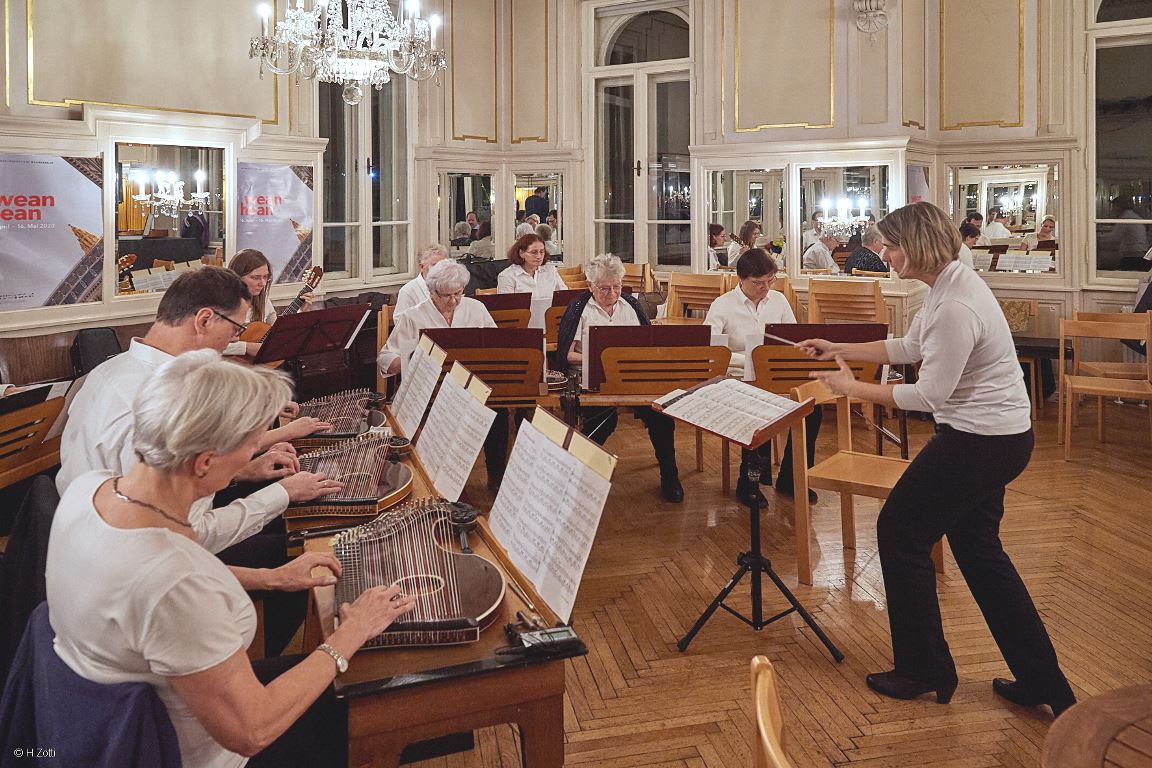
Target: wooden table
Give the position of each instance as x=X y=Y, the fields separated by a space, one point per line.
x=401 y=695
x=1113 y=729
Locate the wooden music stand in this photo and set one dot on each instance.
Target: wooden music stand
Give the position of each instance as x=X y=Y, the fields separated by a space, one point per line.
x=25 y=451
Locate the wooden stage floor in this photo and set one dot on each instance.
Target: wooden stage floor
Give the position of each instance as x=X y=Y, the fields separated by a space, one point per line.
x=1078 y=532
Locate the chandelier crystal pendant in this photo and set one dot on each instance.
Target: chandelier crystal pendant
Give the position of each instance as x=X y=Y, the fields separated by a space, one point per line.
x=167 y=195
x=354 y=43
x=841 y=221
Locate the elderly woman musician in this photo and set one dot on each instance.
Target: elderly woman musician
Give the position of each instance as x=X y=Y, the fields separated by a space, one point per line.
x=530 y=271
x=605 y=304
x=461 y=235
x=971 y=383
x=256 y=272
x=166 y=612
x=416 y=290
x=741 y=313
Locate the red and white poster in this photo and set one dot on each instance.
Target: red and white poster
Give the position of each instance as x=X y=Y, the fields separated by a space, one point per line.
x=918 y=186
x=51 y=230
x=275 y=216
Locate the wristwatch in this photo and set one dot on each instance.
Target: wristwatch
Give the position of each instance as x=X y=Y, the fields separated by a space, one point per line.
x=341 y=662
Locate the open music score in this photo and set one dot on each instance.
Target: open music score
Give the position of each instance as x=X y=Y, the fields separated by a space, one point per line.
x=415 y=392
x=455 y=431
x=732 y=409
x=549 y=505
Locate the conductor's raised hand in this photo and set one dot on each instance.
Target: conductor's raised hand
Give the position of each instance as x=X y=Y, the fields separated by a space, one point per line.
x=305 y=486
x=840 y=380
x=374 y=611
x=819 y=349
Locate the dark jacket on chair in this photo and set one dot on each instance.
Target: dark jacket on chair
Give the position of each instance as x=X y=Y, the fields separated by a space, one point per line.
x=22 y=585
x=570 y=323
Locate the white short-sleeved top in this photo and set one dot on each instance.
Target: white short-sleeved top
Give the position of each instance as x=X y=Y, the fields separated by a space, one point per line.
x=734 y=314
x=412 y=293
x=594 y=314
x=545 y=282
x=143 y=605
x=404 y=337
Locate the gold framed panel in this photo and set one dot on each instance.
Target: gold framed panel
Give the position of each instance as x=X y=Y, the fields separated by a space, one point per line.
x=456 y=136
x=1020 y=78
x=923 y=46
x=512 y=76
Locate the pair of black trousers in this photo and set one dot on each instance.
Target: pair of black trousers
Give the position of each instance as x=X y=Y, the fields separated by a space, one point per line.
x=812 y=424
x=598 y=424
x=955 y=487
x=318 y=738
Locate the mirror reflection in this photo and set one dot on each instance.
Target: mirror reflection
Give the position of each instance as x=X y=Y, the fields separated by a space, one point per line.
x=1008 y=216
x=746 y=211
x=169 y=212
x=539 y=203
x=465 y=215
x=837 y=206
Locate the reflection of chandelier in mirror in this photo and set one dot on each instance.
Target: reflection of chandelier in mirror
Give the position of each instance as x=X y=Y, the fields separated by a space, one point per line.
x=351 y=43
x=167 y=195
x=844 y=224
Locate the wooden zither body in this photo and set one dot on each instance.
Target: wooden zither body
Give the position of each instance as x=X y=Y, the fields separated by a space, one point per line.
x=413 y=545
x=371 y=480
x=351 y=413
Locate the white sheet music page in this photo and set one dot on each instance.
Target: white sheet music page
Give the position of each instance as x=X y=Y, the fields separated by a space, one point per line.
x=546 y=515
x=730 y=408
x=420 y=382
x=452 y=437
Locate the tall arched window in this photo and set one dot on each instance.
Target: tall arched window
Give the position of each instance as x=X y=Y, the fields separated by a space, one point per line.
x=1124 y=10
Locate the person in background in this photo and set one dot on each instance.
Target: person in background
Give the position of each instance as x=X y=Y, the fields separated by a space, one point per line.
x=975 y=219
x=545 y=233
x=971 y=382
x=256 y=272
x=461 y=235
x=811 y=235
x=1046 y=233
x=133 y=597
x=530 y=270
x=969 y=234
x=416 y=290
x=524 y=228
x=474 y=223
x=483 y=247
x=996 y=228
x=742 y=313
x=553 y=220
x=537 y=205
x=819 y=256
x=717 y=250
x=750 y=232
x=605 y=304
x=867 y=256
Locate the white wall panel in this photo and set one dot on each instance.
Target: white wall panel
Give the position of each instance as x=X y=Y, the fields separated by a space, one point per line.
x=472 y=66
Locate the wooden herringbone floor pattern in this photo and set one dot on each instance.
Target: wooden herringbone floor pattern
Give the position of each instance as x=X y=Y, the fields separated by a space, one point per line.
x=1078 y=532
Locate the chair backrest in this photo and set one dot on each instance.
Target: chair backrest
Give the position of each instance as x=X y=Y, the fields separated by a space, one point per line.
x=866 y=273
x=1075 y=330
x=167 y=264
x=512 y=372
x=768 y=751
x=22 y=444
x=841 y=253
x=779 y=368
x=486 y=291
x=552 y=317
x=659 y=370
x=816 y=270
x=818 y=390
x=1018 y=313
x=511 y=318
x=846 y=301
x=688 y=292
x=784 y=285
x=638 y=277
x=383 y=328
x=91 y=347
x=572 y=276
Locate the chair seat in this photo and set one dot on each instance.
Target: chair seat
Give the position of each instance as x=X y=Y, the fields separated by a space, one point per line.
x=1109 y=387
x=1114 y=370
x=861 y=474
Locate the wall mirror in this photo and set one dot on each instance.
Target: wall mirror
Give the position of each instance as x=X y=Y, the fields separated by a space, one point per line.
x=748 y=195
x=170 y=206
x=1023 y=195
x=465 y=201
x=541 y=194
x=847 y=196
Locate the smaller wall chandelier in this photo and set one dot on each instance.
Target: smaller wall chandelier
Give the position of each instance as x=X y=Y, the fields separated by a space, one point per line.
x=351 y=43
x=167 y=195
x=844 y=224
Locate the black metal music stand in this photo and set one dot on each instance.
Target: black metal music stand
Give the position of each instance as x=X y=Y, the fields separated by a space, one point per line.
x=294 y=337
x=754 y=562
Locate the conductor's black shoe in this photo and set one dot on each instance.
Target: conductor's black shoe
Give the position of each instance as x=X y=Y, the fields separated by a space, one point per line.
x=1015 y=693
x=897 y=686
x=745 y=491
x=788 y=491
x=671 y=489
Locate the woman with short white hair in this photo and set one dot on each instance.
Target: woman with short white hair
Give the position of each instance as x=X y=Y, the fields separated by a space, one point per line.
x=416 y=290
x=461 y=234
x=605 y=304
x=165 y=611
x=545 y=233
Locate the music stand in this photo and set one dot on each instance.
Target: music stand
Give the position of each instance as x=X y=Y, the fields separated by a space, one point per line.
x=753 y=561
x=312 y=333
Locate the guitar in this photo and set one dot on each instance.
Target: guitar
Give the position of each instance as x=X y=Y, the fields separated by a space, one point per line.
x=124 y=266
x=258 y=330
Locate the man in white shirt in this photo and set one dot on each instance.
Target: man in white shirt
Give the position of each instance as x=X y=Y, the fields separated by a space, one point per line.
x=416 y=290
x=812 y=234
x=819 y=256
x=995 y=229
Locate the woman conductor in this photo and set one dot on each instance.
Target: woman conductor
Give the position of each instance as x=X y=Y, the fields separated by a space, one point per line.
x=971 y=383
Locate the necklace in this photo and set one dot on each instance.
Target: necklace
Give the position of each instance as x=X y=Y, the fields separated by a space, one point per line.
x=146 y=505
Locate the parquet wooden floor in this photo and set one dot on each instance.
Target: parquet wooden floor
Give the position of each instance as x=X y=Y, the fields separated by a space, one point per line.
x=1078 y=532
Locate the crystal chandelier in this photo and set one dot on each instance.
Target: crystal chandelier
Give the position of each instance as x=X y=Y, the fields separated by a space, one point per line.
x=843 y=225
x=167 y=195
x=351 y=43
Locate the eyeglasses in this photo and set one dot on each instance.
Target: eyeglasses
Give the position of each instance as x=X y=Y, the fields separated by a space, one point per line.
x=761 y=282
x=259 y=278
x=457 y=295
x=240 y=327
x=614 y=288
x=535 y=252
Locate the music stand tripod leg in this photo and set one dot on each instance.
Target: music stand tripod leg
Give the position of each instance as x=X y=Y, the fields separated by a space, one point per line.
x=754 y=562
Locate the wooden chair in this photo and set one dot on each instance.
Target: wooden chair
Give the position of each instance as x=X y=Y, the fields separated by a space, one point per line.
x=486 y=291
x=784 y=285
x=1101 y=368
x=23 y=450
x=552 y=317
x=846 y=301
x=688 y=292
x=850 y=472
x=1074 y=385
x=511 y=318
x=816 y=270
x=768 y=750
x=1019 y=314
x=639 y=278
x=572 y=276
x=866 y=273
x=841 y=253
x=168 y=265
x=383 y=328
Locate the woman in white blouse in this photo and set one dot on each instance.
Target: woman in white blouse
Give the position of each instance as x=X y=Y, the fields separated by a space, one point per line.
x=971 y=382
x=256 y=272
x=530 y=271
x=164 y=611
x=1046 y=233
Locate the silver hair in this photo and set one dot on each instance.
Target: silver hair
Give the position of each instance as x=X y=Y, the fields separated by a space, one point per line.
x=604 y=267
x=871 y=235
x=461 y=229
x=447 y=277
x=544 y=232
x=524 y=229
x=532 y=217
x=427 y=252
x=199 y=402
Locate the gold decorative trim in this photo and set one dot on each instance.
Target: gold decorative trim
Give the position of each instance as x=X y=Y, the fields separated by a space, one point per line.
x=913 y=124
x=831 y=79
x=923 y=56
x=1039 y=65
x=1020 y=73
x=723 y=76
x=68 y=102
x=7 y=56
x=512 y=76
x=452 y=67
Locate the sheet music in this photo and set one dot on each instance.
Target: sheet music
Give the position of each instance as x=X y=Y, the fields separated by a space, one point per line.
x=982 y=259
x=730 y=408
x=69 y=393
x=546 y=515
x=416 y=390
x=452 y=437
x=540 y=305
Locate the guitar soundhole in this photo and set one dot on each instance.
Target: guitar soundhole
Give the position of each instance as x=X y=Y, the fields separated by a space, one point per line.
x=421 y=585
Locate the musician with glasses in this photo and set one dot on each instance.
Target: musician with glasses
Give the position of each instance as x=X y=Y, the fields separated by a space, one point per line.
x=256 y=272
x=742 y=313
x=133 y=597
x=606 y=304
x=530 y=271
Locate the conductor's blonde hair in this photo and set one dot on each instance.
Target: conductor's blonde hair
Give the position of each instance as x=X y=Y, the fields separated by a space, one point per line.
x=927 y=236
